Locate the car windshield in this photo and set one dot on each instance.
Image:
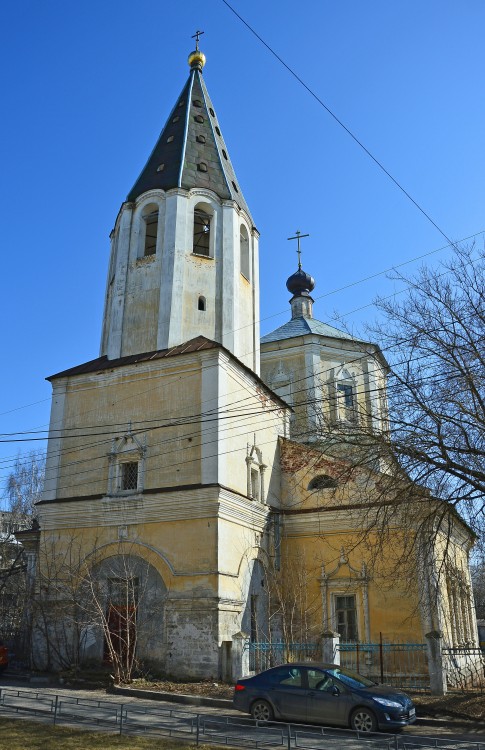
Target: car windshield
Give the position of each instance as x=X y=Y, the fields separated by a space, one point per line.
x=351 y=679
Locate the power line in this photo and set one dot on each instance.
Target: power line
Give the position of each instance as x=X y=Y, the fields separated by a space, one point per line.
x=327 y=294
x=339 y=121
x=316 y=402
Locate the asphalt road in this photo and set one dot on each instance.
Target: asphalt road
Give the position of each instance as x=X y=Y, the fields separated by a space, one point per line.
x=95 y=709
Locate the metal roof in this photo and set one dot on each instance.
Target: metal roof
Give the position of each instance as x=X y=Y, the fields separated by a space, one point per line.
x=304 y=326
x=103 y=363
x=200 y=343
x=191 y=152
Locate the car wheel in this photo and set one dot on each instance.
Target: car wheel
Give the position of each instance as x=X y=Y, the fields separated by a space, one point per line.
x=262 y=711
x=363 y=720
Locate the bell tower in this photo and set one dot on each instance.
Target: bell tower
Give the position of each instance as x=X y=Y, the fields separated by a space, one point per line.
x=184 y=248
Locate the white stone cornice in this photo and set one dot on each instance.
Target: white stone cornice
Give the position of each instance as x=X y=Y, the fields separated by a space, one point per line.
x=183 y=505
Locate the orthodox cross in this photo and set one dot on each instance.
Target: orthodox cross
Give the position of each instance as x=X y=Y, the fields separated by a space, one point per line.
x=196 y=37
x=298 y=236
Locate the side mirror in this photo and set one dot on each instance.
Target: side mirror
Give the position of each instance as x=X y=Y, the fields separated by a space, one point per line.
x=335 y=691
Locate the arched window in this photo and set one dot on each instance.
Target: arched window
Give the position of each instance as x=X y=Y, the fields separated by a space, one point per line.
x=202 y=231
x=244 y=251
x=150 y=222
x=201 y=304
x=346 y=397
x=322 y=482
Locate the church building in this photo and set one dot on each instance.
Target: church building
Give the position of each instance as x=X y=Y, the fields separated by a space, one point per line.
x=191 y=460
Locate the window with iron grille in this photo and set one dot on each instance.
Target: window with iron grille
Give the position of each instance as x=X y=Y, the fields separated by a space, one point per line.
x=129 y=475
x=346 y=617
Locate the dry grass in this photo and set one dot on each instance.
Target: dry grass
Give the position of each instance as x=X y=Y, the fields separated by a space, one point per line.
x=457 y=705
x=18 y=734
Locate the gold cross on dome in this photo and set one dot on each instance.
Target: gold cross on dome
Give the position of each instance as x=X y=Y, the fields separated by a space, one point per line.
x=298 y=236
x=196 y=37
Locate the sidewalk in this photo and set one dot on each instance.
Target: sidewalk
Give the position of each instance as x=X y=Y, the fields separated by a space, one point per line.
x=127 y=695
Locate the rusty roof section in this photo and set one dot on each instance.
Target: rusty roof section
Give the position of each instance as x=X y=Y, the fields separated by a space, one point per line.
x=103 y=363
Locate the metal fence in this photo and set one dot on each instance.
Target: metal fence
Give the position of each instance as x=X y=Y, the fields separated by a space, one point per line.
x=194 y=728
x=403 y=665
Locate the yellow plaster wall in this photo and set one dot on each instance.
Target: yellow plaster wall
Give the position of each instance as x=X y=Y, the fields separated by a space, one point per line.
x=101 y=406
x=393 y=609
x=183 y=552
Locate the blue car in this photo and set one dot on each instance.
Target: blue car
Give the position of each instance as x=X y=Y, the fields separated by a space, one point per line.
x=323 y=694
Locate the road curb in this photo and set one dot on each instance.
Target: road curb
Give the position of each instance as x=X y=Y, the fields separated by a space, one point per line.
x=186 y=700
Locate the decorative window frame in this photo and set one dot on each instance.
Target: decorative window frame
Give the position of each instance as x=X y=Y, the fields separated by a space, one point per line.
x=281 y=382
x=356 y=583
x=127 y=448
x=255 y=466
x=458 y=597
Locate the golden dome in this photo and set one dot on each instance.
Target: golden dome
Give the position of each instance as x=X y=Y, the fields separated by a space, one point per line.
x=197 y=59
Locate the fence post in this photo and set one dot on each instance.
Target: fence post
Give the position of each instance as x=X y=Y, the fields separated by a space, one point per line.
x=121 y=719
x=239 y=656
x=331 y=647
x=197 y=730
x=55 y=708
x=381 y=658
x=437 y=671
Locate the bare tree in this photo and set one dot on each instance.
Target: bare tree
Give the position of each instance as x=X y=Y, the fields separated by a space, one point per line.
x=24 y=484
x=22 y=489
x=293 y=603
x=434 y=337
x=90 y=606
x=428 y=462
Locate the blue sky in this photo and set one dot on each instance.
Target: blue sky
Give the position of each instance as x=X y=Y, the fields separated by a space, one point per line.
x=87 y=88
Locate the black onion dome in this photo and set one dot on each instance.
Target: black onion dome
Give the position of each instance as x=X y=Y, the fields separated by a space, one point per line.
x=300 y=283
